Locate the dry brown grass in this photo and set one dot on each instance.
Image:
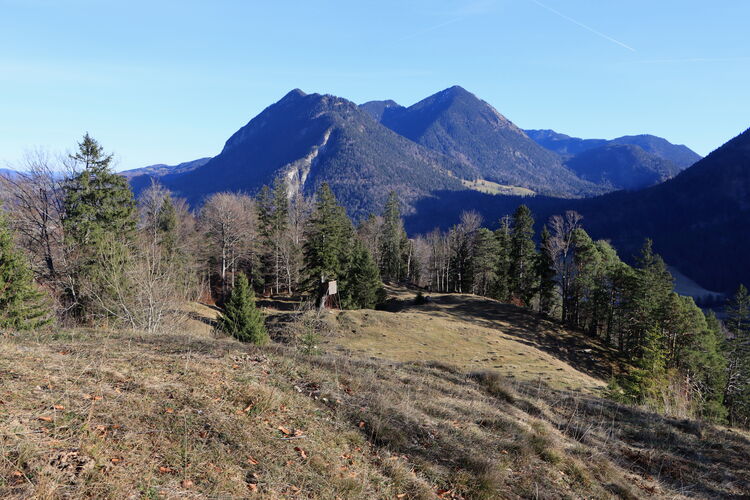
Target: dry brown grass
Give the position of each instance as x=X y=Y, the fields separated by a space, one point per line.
x=91 y=414
x=98 y=415
x=477 y=333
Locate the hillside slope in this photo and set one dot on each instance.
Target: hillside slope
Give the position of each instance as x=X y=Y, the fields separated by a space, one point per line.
x=622 y=166
x=98 y=414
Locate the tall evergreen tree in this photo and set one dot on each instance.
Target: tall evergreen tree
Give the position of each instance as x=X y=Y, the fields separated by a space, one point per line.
x=279 y=220
x=329 y=241
x=522 y=256
x=483 y=262
x=393 y=241
x=502 y=288
x=361 y=287
x=241 y=318
x=99 y=224
x=98 y=202
x=546 y=274
x=21 y=304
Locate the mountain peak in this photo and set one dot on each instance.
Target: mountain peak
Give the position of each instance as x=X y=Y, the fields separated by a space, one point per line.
x=293 y=94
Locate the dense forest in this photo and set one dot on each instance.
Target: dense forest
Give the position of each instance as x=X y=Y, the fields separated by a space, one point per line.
x=79 y=249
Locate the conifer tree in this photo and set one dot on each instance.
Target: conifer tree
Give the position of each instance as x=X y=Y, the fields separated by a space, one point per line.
x=98 y=202
x=502 y=288
x=483 y=262
x=705 y=366
x=21 y=304
x=737 y=391
x=546 y=274
x=522 y=272
x=241 y=318
x=362 y=287
x=99 y=224
x=647 y=380
x=393 y=241
x=329 y=241
x=166 y=225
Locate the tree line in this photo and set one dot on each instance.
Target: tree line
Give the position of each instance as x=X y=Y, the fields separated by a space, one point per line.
x=79 y=249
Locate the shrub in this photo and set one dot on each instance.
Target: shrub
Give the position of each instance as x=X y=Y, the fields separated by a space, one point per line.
x=241 y=318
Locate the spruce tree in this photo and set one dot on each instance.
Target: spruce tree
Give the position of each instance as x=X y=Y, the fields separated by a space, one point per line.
x=483 y=262
x=166 y=223
x=393 y=241
x=99 y=224
x=545 y=274
x=98 y=202
x=501 y=289
x=329 y=241
x=21 y=304
x=241 y=318
x=522 y=272
x=361 y=287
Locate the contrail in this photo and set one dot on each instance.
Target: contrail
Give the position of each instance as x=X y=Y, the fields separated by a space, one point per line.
x=426 y=30
x=589 y=28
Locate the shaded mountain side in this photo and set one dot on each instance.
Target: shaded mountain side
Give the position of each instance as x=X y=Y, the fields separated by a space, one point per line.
x=377 y=108
x=456 y=123
x=311 y=139
x=563 y=144
x=568 y=146
x=679 y=154
x=622 y=166
x=697 y=220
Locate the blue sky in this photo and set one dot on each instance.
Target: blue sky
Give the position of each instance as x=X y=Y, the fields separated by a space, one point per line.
x=170 y=81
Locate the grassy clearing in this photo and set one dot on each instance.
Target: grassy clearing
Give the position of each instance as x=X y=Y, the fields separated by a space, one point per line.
x=490 y=187
x=477 y=333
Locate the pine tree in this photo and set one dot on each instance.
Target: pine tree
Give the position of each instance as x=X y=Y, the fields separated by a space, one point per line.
x=393 y=241
x=329 y=241
x=522 y=273
x=545 y=274
x=241 y=318
x=21 y=304
x=361 y=287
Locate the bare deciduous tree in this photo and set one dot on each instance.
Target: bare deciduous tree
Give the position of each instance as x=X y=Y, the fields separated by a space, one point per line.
x=560 y=246
x=228 y=220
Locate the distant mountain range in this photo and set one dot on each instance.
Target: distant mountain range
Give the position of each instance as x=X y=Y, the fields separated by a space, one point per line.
x=698 y=220
x=567 y=146
x=310 y=139
x=457 y=124
x=450 y=140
